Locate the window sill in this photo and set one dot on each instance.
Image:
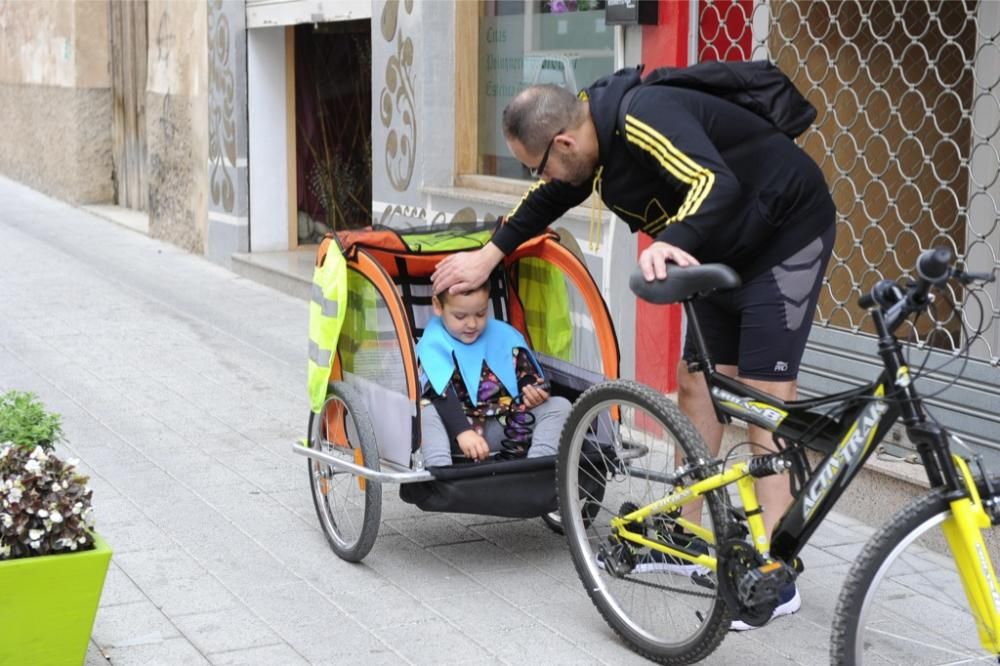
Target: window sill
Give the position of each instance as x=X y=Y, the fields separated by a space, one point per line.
x=502 y=193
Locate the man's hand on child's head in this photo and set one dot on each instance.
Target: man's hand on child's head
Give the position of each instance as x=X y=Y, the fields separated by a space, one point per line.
x=465 y=270
x=532 y=396
x=473 y=445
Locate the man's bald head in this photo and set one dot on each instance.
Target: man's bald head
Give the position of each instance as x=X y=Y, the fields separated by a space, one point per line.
x=535 y=115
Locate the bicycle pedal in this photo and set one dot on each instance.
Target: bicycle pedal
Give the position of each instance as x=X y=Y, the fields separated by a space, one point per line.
x=763 y=584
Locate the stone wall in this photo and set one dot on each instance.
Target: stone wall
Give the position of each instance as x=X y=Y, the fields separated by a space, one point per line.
x=57 y=140
x=177 y=123
x=176 y=170
x=55 y=98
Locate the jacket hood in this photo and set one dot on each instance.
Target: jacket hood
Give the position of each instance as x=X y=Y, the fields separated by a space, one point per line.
x=605 y=96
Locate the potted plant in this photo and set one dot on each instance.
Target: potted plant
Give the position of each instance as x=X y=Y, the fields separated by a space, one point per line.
x=52 y=564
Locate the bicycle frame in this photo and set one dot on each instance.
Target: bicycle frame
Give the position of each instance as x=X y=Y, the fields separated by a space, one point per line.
x=846 y=428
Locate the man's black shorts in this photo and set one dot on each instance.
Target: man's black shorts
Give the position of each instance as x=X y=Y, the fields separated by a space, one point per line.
x=762 y=327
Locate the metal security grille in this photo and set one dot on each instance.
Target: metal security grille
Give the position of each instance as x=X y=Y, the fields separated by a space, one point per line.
x=908 y=136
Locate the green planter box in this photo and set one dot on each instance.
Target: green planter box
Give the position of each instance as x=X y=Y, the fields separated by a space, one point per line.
x=48 y=604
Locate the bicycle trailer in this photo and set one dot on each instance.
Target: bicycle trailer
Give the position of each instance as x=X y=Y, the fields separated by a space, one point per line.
x=371 y=300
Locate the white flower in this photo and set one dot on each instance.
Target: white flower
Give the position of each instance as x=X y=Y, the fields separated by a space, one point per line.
x=4 y=550
x=35 y=535
x=42 y=513
x=65 y=543
x=77 y=508
x=56 y=517
x=14 y=495
x=33 y=466
x=39 y=454
x=6 y=520
x=35 y=544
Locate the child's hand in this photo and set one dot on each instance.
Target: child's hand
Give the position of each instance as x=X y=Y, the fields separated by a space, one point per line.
x=532 y=396
x=473 y=445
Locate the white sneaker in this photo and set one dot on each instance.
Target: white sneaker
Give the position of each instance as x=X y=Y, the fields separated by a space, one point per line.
x=656 y=562
x=788 y=603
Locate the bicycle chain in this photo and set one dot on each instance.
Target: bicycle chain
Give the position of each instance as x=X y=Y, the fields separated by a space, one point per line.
x=668 y=588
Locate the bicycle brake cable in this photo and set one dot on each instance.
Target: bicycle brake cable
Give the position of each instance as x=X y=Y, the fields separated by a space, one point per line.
x=971 y=336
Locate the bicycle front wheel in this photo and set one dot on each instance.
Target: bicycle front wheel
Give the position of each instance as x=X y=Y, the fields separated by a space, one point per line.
x=620 y=447
x=903 y=601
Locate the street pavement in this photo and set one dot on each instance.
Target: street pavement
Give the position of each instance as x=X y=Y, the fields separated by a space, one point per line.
x=182 y=387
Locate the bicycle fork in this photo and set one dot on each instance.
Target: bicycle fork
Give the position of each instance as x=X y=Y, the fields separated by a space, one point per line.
x=963 y=531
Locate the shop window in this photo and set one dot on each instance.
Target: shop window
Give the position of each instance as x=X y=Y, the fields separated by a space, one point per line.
x=520 y=43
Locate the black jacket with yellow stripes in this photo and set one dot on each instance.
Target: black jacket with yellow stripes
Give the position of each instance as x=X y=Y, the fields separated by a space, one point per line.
x=692 y=170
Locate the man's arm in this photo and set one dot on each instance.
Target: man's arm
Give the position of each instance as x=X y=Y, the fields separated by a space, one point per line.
x=541 y=205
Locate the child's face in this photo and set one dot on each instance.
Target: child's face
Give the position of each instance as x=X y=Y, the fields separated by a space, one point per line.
x=464 y=315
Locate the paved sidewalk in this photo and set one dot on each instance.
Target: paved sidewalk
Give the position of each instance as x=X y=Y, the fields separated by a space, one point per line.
x=181 y=386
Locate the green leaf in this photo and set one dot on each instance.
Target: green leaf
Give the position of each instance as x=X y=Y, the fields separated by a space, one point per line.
x=25 y=422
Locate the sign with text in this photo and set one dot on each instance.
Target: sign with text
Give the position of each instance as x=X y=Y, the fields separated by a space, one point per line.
x=631 y=12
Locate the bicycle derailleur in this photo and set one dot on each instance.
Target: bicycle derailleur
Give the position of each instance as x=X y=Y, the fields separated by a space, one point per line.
x=617 y=557
x=748 y=583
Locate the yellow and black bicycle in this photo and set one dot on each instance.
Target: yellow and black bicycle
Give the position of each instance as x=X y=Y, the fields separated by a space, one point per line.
x=670 y=543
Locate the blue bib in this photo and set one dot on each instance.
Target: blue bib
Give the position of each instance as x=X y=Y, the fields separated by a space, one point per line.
x=439 y=352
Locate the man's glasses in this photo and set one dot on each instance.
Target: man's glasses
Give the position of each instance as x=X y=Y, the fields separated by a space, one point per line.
x=537 y=171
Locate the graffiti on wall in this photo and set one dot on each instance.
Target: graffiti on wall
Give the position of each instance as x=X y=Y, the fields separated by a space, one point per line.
x=221 y=117
x=397 y=108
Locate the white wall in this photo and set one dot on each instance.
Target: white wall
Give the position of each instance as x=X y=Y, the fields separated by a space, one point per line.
x=268 y=145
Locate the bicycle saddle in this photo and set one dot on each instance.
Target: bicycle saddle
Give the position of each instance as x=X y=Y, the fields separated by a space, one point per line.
x=685 y=283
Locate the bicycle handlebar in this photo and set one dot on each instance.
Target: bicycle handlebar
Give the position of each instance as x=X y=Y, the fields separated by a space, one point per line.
x=934 y=268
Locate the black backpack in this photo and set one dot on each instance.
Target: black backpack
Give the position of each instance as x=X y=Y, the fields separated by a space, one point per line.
x=756 y=85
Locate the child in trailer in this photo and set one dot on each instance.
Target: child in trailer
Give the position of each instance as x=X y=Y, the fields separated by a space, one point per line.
x=483 y=392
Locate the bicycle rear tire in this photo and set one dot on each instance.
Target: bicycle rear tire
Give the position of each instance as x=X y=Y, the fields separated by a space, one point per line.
x=620 y=443
x=902 y=601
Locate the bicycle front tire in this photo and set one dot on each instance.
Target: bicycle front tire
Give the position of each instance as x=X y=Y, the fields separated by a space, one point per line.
x=619 y=448
x=903 y=602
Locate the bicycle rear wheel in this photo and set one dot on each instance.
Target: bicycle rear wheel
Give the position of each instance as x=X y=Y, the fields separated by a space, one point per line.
x=349 y=507
x=903 y=601
x=619 y=447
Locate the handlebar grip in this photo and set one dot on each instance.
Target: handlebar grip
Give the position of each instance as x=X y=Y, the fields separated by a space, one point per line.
x=934 y=266
x=885 y=294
